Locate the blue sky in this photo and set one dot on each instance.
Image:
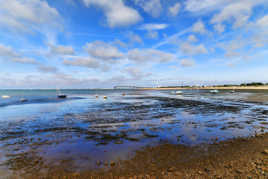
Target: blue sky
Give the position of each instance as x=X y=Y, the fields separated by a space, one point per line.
x=103 y=43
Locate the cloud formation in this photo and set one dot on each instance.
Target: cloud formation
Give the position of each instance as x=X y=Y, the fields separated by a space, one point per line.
x=152 y=7
x=7 y=53
x=116 y=12
x=102 y=50
x=187 y=63
x=61 y=50
x=153 y=26
x=199 y=27
x=190 y=49
x=174 y=10
x=150 y=55
x=28 y=16
x=87 y=62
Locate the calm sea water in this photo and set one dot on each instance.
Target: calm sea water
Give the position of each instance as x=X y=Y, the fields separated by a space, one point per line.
x=76 y=132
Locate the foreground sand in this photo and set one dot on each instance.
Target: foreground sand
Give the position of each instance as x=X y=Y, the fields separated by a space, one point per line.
x=238 y=158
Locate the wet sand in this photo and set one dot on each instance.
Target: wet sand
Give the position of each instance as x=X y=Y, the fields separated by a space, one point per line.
x=237 y=158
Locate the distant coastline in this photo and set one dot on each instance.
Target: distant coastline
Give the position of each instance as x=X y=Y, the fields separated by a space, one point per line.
x=263 y=87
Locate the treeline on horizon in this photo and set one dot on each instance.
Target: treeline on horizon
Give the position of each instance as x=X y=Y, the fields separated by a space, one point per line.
x=225 y=85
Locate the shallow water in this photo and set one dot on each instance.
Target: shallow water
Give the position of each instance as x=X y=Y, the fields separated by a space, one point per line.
x=75 y=133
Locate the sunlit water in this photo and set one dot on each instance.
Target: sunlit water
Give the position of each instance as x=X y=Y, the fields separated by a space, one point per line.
x=74 y=133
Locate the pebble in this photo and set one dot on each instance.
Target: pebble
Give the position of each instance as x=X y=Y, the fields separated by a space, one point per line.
x=207 y=170
x=98 y=163
x=171 y=169
x=239 y=171
x=112 y=163
x=265 y=152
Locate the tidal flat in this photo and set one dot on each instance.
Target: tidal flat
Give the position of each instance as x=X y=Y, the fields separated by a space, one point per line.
x=141 y=133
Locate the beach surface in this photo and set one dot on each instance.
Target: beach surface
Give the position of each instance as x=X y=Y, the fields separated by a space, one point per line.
x=134 y=133
x=238 y=158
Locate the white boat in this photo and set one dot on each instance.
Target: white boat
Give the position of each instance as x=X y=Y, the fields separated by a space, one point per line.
x=178 y=92
x=5 y=96
x=214 y=91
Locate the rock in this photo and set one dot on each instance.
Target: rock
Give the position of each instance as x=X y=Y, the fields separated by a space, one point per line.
x=239 y=171
x=177 y=173
x=112 y=163
x=171 y=169
x=98 y=163
x=118 y=142
x=75 y=174
x=265 y=151
x=106 y=163
x=207 y=170
x=200 y=172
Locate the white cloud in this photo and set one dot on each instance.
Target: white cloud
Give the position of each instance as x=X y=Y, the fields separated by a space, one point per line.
x=192 y=38
x=10 y=54
x=134 y=38
x=198 y=6
x=153 y=26
x=152 y=34
x=220 y=28
x=174 y=10
x=6 y=51
x=61 y=50
x=199 y=27
x=87 y=62
x=28 y=16
x=116 y=12
x=239 y=11
x=189 y=49
x=119 y=43
x=263 y=22
x=150 y=55
x=24 y=60
x=152 y=7
x=229 y=10
x=136 y=73
x=47 y=69
x=103 y=50
x=187 y=63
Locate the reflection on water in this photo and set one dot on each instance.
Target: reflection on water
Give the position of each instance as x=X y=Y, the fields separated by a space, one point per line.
x=85 y=132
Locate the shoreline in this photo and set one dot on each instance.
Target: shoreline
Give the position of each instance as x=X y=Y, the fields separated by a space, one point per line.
x=240 y=157
x=212 y=88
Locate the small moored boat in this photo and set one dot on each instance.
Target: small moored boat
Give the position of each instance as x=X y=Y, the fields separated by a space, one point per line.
x=214 y=91
x=23 y=100
x=5 y=96
x=178 y=92
x=60 y=95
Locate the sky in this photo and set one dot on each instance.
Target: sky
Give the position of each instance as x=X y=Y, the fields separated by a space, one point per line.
x=105 y=43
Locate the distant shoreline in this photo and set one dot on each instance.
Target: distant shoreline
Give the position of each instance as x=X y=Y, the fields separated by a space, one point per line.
x=265 y=87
